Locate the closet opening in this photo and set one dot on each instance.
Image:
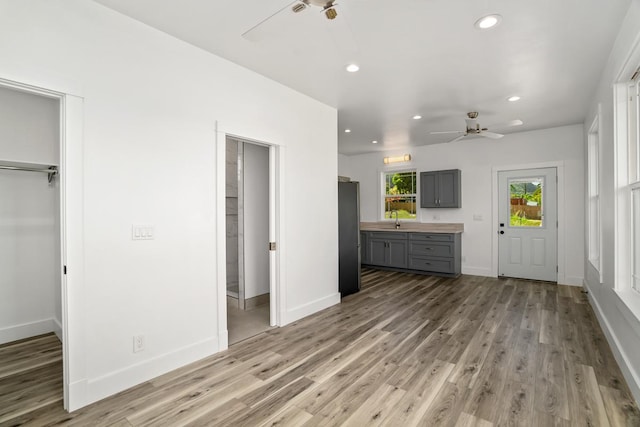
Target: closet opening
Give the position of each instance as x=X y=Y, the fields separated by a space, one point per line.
x=247 y=238
x=31 y=330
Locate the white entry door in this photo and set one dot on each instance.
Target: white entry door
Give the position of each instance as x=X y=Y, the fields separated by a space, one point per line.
x=528 y=226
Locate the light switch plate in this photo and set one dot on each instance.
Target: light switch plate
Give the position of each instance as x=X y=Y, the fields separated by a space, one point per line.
x=142 y=232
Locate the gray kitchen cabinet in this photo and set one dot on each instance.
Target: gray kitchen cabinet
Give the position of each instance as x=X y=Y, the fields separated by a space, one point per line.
x=387 y=249
x=364 y=253
x=417 y=252
x=440 y=189
x=438 y=253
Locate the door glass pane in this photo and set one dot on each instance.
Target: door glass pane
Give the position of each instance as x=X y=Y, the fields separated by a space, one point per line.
x=525 y=198
x=636 y=239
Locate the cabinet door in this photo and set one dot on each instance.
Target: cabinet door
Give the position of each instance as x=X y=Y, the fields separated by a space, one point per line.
x=448 y=189
x=397 y=253
x=428 y=185
x=377 y=251
x=364 y=243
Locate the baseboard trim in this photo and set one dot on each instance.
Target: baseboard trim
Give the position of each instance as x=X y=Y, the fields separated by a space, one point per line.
x=632 y=378
x=573 y=281
x=307 y=309
x=477 y=271
x=30 y=329
x=256 y=301
x=104 y=386
x=57 y=328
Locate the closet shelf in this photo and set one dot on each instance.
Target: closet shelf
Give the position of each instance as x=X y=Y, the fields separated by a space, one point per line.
x=50 y=170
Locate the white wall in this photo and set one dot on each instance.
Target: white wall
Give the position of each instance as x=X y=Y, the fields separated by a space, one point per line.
x=256 y=220
x=151 y=103
x=476 y=158
x=29 y=218
x=619 y=323
x=343 y=165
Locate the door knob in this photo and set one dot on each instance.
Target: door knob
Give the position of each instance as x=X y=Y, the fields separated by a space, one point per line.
x=501 y=231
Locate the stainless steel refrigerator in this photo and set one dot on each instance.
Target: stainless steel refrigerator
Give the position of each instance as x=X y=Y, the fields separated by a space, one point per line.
x=349 y=237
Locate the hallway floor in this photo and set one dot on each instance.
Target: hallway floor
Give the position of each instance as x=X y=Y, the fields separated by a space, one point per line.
x=243 y=324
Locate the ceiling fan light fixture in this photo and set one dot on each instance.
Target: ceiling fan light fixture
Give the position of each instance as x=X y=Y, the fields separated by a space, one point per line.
x=352 y=68
x=330 y=12
x=488 y=21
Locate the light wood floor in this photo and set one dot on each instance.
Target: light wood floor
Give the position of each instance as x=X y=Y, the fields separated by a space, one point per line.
x=406 y=350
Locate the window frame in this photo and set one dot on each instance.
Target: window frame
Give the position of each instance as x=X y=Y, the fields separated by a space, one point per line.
x=626 y=178
x=383 y=192
x=594 y=218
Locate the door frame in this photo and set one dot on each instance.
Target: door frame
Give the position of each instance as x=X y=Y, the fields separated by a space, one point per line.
x=559 y=165
x=276 y=230
x=70 y=169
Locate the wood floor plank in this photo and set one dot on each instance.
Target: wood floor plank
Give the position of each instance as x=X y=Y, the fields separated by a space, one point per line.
x=551 y=390
x=406 y=350
x=586 y=405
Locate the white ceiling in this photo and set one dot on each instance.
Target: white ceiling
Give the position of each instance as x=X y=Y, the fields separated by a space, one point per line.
x=415 y=56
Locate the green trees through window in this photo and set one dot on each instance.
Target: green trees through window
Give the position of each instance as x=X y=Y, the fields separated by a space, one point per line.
x=400 y=194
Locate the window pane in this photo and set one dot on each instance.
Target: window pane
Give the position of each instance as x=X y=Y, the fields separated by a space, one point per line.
x=400 y=194
x=526 y=202
x=406 y=207
x=400 y=183
x=635 y=220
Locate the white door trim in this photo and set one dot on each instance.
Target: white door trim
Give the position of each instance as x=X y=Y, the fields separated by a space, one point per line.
x=276 y=230
x=71 y=239
x=559 y=165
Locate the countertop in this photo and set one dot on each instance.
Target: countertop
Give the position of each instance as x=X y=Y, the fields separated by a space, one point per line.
x=413 y=227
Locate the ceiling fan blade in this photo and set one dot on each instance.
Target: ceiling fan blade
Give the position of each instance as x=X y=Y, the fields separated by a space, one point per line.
x=253 y=34
x=491 y=135
x=448 y=131
x=458 y=138
x=507 y=124
x=339 y=30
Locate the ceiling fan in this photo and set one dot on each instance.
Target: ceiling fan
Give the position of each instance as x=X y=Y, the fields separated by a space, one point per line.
x=474 y=128
x=328 y=8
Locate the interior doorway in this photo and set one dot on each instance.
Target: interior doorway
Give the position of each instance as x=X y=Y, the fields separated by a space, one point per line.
x=528 y=224
x=31 y=276
x=247 y=204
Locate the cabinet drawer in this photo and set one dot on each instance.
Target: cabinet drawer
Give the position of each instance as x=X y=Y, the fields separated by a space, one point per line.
x=430 y=237
x=439 y=249
x=431 y=264
x=388 y=235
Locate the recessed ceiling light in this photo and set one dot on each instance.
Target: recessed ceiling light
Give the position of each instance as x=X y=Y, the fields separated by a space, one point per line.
x=488 y=21
x=374 y=142
x=513 y=98
x=352 y=68
x=347 y=131
x=417 y=117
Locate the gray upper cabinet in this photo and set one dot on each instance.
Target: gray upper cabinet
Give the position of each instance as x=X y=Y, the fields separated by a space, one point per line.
x=440 y=189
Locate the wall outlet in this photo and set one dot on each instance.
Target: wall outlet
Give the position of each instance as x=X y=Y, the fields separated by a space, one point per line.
x=138 y=343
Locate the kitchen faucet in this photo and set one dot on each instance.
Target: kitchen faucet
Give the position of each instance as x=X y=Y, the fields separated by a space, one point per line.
x=397 y=222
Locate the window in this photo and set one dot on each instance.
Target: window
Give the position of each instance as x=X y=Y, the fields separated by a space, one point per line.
x=399 y=194
x=593 y=214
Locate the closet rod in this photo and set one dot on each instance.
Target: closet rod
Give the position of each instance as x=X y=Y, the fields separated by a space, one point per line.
x=51 y=171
